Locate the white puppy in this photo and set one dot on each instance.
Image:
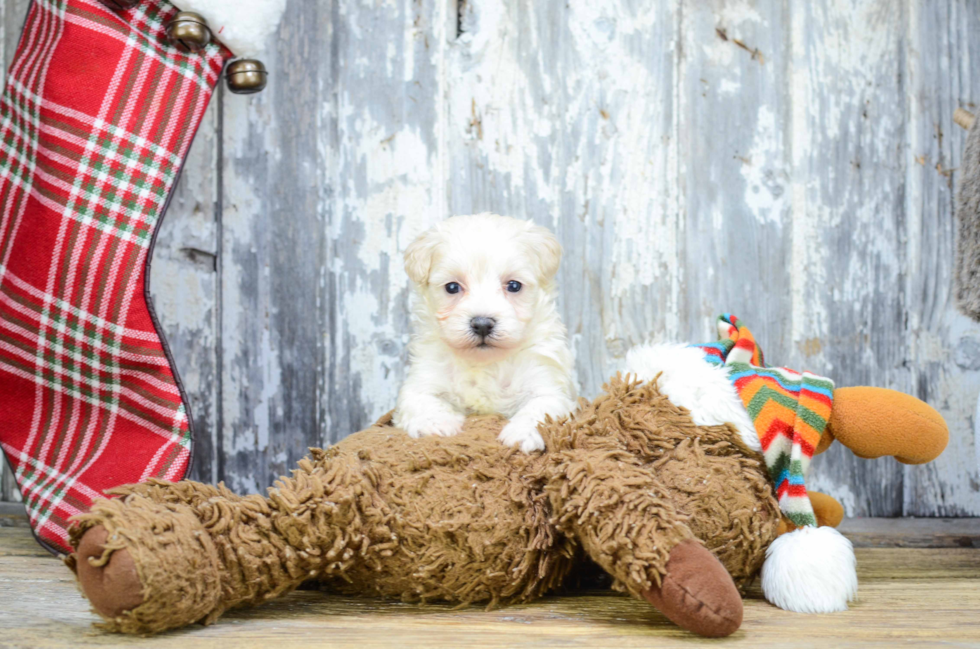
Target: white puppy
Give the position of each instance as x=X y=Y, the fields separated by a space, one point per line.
x=487 y=337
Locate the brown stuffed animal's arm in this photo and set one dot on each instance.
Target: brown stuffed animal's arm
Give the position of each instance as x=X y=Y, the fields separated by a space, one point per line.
x=623 y=517
x=875 y=422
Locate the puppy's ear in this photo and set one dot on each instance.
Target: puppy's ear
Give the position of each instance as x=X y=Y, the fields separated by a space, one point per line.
x=419 y=255
x=543 y=246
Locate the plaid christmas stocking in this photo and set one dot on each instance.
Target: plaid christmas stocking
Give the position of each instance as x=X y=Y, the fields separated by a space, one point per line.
x=97 y=116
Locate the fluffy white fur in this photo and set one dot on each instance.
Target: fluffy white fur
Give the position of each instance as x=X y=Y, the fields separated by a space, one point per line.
x=692 y=382
x=810 y=570
x=523 y=369
x=242 y=25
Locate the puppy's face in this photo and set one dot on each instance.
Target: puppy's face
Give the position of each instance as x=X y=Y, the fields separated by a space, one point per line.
x=484 y=279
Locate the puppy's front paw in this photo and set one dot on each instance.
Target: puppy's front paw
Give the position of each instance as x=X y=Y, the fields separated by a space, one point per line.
x=523 y=434
x=440 y=425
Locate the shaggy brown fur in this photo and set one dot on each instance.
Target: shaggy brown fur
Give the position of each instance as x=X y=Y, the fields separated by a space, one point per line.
x=462 y=519
x=967 y=271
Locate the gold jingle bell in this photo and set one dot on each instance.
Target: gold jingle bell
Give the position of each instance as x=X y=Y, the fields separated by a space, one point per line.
x=246 y=76
x=189 y=32
x=120 y=5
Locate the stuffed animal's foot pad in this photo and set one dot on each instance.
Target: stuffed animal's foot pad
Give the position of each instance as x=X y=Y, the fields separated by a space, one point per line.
x=111 y=582
x=697 y=593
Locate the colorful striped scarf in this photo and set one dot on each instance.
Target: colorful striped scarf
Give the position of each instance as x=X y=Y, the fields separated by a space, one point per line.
x=790 y=411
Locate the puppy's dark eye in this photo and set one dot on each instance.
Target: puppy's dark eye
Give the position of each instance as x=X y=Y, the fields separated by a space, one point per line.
x=453 y=288
x=514 y=287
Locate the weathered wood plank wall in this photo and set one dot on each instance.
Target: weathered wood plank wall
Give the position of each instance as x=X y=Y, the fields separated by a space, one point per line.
x=791 y=162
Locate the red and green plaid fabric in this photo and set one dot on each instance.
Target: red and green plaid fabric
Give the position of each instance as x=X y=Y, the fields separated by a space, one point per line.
x=790 y=411
x=97 y=116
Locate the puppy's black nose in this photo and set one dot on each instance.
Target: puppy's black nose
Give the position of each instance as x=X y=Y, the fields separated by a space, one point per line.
x=482 y=326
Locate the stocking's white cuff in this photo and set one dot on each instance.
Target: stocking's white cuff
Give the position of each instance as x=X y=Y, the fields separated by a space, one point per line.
x=244 y=26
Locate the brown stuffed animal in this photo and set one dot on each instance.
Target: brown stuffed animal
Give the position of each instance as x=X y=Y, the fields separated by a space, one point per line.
x=679 y=514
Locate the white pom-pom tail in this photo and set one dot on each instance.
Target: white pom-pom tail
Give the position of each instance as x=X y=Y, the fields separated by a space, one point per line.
x=810 y=570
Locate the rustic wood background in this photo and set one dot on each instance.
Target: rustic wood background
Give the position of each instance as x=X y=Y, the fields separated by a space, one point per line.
x=792 y=162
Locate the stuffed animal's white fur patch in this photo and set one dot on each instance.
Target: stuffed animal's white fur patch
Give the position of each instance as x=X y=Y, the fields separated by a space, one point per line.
x=242 y=25
x=691 y=382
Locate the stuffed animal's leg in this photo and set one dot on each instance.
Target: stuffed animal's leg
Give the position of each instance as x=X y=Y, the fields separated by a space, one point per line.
x=875 y=422
x=165 y=556
x=623 y=517
x=146 y=567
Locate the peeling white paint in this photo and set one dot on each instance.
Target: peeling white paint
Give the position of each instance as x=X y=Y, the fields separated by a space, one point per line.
x=766 y=179
x=810 y=318
x=507 y=119
x=736 y=12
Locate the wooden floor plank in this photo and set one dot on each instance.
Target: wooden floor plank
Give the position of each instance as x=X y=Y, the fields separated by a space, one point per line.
x=912 y=532
x=908 y=596
x=19 y=542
